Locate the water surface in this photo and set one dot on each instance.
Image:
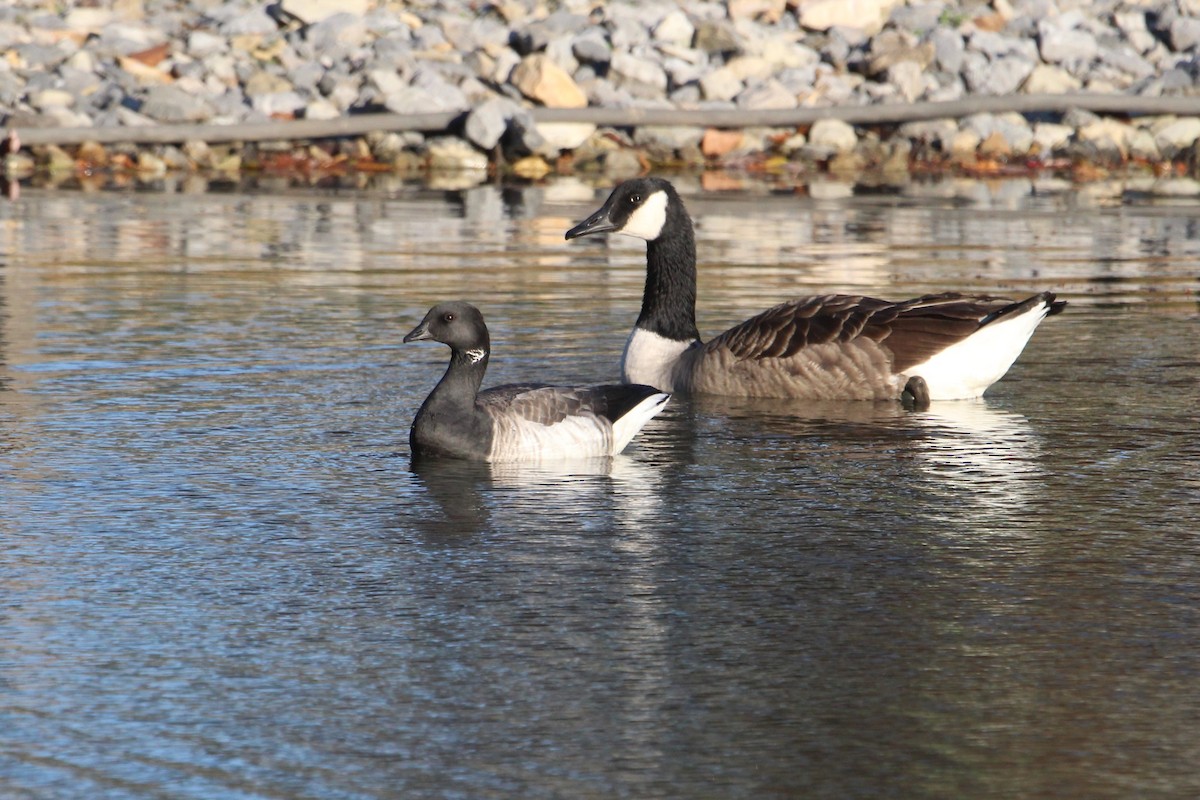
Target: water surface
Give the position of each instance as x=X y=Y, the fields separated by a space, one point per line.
x=223 y=577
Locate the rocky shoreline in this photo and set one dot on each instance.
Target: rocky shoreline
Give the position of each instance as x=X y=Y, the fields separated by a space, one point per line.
x=135 y=66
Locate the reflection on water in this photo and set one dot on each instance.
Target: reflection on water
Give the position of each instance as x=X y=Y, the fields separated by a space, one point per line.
x=225 y=577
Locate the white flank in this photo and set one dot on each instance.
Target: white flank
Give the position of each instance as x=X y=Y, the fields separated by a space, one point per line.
x=635 y=419
x=647 y=220
x=966 y=369
x=650 y=359
x=580 y=437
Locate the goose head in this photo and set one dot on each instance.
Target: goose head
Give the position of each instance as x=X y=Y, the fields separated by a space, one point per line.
x=457 y=324
x=646 y=208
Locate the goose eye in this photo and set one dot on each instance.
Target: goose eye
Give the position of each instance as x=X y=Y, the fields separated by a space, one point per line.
x=448 y=316
x=635 y=199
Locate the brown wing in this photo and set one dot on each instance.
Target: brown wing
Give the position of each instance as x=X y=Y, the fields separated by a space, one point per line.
x=912 y=330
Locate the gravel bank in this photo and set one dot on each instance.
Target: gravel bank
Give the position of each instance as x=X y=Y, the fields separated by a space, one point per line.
x=472 y=87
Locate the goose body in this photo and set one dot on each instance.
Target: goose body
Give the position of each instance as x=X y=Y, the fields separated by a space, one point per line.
x=517 y=422
x=827 y=347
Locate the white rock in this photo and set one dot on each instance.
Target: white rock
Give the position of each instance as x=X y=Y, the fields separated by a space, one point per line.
x=767 y=95
x=448 y=153
x=311 y=11
x=833 y=133
x=908 y=78
x=1048 y=79
x=47 y=99
x=866 y=15
x=675 y=28
x=1178 y=135
x=1051 y=137
x=1142 y=145
x=321 y=109
x=565 y=135
x=1177 y=187
x=721 y=84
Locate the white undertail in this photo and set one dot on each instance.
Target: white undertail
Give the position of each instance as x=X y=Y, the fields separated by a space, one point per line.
x=964 y=370
x=627 y=426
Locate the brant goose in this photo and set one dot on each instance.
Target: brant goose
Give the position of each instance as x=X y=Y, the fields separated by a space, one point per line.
x=519 y=422
x=831 y=347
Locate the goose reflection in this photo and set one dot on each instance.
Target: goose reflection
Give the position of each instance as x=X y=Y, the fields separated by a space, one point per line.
x=987 y=458
x=611 y=493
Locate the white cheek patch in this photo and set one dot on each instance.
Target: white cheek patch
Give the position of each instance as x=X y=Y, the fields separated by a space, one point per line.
x=647 y=221
x=476 y=355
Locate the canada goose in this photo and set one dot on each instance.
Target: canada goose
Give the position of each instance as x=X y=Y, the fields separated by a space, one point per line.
x=518 y=422
x=830 y=347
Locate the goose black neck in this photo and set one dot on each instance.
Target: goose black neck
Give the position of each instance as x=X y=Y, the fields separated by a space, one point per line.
x=460 y=385
x=669 y=300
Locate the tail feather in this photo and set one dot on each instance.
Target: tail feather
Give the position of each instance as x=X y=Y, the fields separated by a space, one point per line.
x=627 y=425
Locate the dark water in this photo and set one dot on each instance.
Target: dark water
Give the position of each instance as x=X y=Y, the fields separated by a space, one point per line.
x=221 y=577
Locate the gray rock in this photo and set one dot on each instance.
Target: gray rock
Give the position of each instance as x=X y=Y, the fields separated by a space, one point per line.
x=948 y=49
x=1002 y=76
x=307 y=76
x=412 y=100
x=201 y=44
x=1078 y=118
x=1125 y=59
x=721 y=84
x=716 y=36
x=39 y=56
x=252 y=21
x=672 y=137
x=560 y=52
x=995 y=45
x=172 y=104
x=488 y=122
x=1132 y=25
x=1178 y=136
x=770 y=94
x=342 y=30
x=641 y=76
x=950 y=89
x=591 y=48
x=937 y=132
x=1070 y=47
x=919 y=17
x=1185 y=33
x=908 y=78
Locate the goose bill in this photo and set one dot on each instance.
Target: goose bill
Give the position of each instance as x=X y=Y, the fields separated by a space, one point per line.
x=418 y=334
x=599 y=222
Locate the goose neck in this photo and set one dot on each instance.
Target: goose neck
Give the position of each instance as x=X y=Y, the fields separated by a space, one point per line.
x=669 y=300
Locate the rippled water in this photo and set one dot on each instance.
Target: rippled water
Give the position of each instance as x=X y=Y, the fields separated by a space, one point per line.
x=222 y=577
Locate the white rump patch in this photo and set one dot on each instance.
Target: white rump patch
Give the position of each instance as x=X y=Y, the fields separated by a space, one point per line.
x=650 y=358
x=964 y=370
x=648 y=219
